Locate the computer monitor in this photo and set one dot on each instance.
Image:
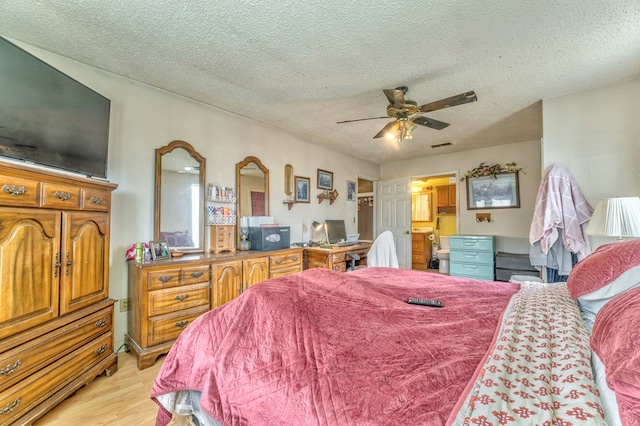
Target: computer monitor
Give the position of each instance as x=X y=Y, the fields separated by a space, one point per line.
x=336 y=231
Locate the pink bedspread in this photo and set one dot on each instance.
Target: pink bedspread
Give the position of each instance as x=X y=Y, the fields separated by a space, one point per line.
x=616 y=340
x=324 y=347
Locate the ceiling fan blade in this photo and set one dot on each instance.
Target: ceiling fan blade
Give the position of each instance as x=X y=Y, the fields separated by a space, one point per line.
x=460 y=99
x=386 y=129
x=395 y=96
x=362 y=119
x=430 y=122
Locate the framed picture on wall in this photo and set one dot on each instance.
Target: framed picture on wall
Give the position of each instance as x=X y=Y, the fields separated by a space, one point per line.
x=487 y=192
x=302 y=189
x=325 y=179
x=351 y=190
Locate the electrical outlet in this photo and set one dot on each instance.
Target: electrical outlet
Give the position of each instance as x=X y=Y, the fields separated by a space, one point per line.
x=125 y=305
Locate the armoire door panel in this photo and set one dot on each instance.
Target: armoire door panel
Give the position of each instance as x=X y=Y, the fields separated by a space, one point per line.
x=29 y=274
x=85 y=248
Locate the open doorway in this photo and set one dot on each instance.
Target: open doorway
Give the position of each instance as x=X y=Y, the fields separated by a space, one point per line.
x=365 y=209
x=434 y=214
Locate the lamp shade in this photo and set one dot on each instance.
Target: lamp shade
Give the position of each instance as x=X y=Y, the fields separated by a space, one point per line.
x=616 y=217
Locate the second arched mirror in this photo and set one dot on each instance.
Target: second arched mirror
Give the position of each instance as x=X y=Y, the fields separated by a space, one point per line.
x=252 y=182
x=179 y=201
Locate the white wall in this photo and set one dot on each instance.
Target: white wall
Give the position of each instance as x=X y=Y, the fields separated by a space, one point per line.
x=511 y=226
x=596 y=135
x=144 y=118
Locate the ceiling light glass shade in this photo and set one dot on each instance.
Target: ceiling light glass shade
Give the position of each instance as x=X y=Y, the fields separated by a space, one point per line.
x=616 y=217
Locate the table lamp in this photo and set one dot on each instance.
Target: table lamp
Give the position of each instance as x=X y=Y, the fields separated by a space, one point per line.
x=616 y=217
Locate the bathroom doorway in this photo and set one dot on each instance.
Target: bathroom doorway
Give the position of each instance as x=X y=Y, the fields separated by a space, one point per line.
x=438 y=194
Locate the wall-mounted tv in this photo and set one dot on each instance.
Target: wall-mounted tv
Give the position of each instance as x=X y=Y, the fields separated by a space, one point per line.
x=48 y=118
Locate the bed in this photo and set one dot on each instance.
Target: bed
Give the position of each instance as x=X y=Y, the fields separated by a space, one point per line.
x=324 y=347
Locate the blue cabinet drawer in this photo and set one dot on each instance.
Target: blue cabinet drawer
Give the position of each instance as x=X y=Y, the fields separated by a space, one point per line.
x=471 y=242
x=471 y=270
x=471 y=256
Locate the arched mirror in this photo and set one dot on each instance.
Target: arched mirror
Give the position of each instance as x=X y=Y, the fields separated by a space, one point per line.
x=252 y=182
x=179 y=201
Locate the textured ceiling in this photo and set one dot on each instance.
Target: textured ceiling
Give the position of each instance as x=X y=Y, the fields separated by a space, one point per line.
x=304 y=65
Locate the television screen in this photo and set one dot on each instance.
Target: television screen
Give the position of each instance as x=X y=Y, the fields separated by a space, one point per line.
x=336 y=231
x=48 y=118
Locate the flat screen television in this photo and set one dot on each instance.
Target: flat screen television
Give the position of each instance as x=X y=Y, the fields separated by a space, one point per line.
x=48 y=118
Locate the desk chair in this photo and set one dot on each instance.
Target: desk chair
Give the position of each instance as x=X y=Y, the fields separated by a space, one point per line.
x=382 y=253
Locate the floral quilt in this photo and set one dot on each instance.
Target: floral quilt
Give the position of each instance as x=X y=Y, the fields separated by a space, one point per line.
x=539 y=369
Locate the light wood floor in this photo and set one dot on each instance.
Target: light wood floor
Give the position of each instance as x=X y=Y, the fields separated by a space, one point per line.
x=122 y=399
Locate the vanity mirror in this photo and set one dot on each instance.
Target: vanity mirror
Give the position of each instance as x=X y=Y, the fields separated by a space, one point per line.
x=252 y=182
x=179 y=197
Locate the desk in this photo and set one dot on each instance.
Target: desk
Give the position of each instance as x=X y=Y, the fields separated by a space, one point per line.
x=335 y=257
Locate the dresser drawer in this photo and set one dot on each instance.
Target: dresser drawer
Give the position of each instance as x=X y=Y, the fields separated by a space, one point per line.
x=178 y=298
x=196 y=274
x=61 y=196
x=19 y=192
x=18 y=363
x=96 y=199
x=285 y=260
x=471 y=270
x=472 y=256
x=163 y=279
x=33 y=390
x=166 y=328
x=471 y=242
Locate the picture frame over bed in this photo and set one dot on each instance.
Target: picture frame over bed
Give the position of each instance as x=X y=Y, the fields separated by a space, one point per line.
x=493 y=192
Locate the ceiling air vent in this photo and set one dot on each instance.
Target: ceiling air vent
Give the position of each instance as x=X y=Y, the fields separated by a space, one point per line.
x=440 y=145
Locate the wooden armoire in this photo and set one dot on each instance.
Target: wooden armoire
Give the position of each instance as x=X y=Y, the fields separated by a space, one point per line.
x=56 y=319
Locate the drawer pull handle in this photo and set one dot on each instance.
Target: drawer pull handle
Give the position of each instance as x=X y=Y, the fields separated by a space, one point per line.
x=14 y=190
x=10 y=406
x=57 y=265
x=182 y=297
x=182 y=323
x=101 y=322
x=95 y=199
x=10 y=368
x=279 y=261
x=165 y=278
x=294 y=259
x=62 y=196
x=197 y=274
x=101 y=349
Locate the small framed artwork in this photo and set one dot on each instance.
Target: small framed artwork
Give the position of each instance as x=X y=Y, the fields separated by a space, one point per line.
x=302 y=189
x=325 y=180
x=487 y=192
x=351 y=190
x=159 y=250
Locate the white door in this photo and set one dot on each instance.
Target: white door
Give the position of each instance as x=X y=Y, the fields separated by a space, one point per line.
x=393 y=199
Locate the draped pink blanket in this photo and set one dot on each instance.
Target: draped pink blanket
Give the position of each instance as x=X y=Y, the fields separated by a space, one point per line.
x=324 y=347
x=560 y=205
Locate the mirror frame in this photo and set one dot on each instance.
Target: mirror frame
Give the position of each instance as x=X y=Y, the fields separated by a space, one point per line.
x=158 y=190
x=239 y=166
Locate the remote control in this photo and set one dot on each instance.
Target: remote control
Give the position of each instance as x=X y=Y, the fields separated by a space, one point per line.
x=425 y=302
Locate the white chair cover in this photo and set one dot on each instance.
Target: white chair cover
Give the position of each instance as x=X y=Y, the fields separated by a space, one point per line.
x=383 y=251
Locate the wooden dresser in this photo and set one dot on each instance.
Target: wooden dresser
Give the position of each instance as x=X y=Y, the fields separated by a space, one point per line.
x=56 y=320
x=168 y=295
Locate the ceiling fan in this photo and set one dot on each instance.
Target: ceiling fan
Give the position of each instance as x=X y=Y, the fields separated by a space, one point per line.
x=408 y=114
